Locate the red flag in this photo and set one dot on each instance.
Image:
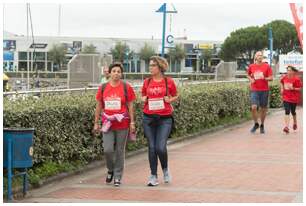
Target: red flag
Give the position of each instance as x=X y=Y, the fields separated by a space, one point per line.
x=297 y=13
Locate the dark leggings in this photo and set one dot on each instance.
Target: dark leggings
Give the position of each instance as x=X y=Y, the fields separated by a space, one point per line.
x=290 y=107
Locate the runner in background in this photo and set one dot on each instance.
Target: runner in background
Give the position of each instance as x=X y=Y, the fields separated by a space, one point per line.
x=290 y=89
x=259 y=73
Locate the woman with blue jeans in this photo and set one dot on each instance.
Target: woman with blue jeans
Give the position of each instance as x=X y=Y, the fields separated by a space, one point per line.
x=158 y=92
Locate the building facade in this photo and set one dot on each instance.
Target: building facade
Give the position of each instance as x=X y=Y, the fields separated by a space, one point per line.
x=20 y=54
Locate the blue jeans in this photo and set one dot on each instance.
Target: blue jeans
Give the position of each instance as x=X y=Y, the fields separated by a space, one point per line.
x=260 y=98
x=157 y=131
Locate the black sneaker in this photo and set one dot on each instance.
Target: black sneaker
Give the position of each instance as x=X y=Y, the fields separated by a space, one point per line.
x=262 y=129
x=109 y=177
x=117 y=182
x=255 y=127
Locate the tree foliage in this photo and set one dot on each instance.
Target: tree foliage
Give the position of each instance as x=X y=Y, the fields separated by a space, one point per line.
x=89 y=49
x=57 y=54
x=121 y=51
x=177 y=53
x=245 y=42
x=146 y=52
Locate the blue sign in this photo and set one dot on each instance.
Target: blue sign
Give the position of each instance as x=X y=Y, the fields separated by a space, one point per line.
x=8 y=56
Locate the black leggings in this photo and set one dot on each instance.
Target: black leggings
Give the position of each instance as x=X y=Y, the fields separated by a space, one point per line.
x=290 y=107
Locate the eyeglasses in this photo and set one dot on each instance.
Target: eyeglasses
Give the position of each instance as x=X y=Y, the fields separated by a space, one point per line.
x=153 y=65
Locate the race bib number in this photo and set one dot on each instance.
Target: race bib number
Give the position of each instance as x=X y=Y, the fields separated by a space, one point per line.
x=288 y=86
x=156 y=104
x=258 y=75
x=113 y=104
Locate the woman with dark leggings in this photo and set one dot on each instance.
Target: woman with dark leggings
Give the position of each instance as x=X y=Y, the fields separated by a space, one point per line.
x=290 y=89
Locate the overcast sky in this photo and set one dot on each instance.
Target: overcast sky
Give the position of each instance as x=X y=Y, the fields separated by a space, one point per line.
x=213 y=21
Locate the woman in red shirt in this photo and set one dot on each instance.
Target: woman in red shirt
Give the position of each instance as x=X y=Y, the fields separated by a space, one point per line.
x=290 y=90
x=115 y=106
x=158 y=92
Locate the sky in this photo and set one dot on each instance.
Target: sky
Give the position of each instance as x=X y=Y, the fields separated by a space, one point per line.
x=199 y=21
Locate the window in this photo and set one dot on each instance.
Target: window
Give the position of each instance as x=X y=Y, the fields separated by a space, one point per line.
x=138 y=66
x=39 y=66
x=22 y=56
x=40 y=56
x=22 y=66
x=49 y=66
x=133 y=66
x=8 y=66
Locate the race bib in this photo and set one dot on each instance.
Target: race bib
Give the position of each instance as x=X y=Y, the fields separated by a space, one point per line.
x=258 y=75
x=288 y=86
x=156 y=104
x=113 y=104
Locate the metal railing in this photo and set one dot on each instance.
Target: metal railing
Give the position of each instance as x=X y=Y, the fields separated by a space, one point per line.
x=136 y=87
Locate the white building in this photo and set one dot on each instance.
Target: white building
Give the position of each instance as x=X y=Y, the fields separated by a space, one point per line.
x=18 y=51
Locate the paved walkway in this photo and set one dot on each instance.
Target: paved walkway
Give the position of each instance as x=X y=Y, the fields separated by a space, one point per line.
x=231 y=165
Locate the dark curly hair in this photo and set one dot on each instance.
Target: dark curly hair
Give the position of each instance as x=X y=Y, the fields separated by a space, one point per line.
x=115 y=64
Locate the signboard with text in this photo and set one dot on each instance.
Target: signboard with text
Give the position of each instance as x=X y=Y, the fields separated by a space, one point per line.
x=38 y=45
x=206 y=46
x=295 y=60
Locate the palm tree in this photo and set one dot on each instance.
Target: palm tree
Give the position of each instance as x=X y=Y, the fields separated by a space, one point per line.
x=120 y=51
x=57 y=54
x=177 y=54
x=146 y=52
x=89 y=49
x=206 y=55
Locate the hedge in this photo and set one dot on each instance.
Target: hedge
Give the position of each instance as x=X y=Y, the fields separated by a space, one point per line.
x=275 y=100
x=63 y=123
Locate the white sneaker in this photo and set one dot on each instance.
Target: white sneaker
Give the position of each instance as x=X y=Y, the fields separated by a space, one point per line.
x=153 y=180
x=167 y=176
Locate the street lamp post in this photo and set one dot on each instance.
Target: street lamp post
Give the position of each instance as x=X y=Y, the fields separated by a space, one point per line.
x=270 y=44
x=127 y=58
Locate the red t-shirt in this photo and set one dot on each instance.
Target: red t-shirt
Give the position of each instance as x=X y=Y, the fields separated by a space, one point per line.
x=289 y=95
x=156 y=91
x=259 y=72
x=114 y=102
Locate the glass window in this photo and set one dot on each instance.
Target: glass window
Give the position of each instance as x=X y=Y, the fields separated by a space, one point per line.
x=22 y=55
x=8 y=66
x=49 y=57
x=178 y=67
x=40 y=56
x=188 y=62
x=22 y=66
x=146 y=66
x=138 y=66
x=39 y=66
x=49 y=66
x=133 y=66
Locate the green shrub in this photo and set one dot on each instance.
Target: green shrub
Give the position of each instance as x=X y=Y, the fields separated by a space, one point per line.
x=63 y=123
x=275 y=96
